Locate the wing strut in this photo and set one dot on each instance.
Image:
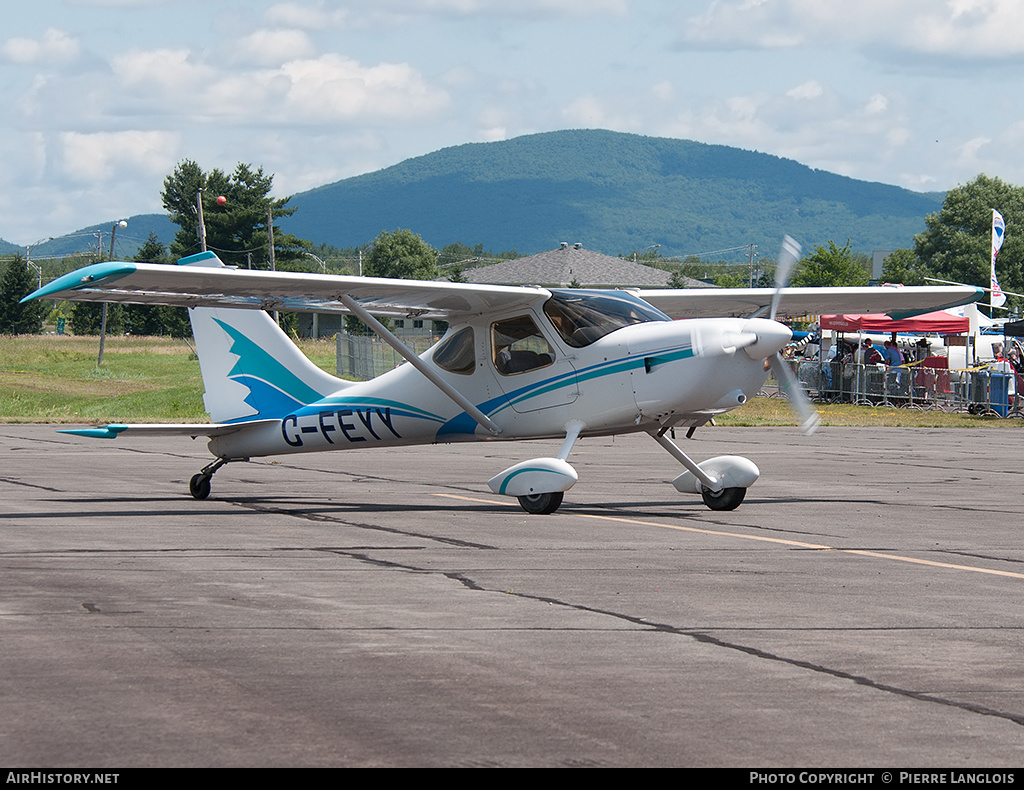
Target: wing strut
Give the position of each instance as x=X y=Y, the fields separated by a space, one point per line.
x=389 y=338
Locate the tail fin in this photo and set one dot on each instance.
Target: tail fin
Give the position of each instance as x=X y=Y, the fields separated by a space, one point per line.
x=251 y=370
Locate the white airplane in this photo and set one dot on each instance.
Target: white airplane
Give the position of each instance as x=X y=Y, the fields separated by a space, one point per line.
x=515 y=363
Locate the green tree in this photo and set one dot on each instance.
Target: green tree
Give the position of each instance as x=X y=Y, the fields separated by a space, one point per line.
x=677 y=280
x=831 y=266
x=957 y=242
x=401 y=254
x=152 y=250
x=236 y=230
x=904 y=267
x=87 y=317
x=16 y=283
x=726 y=280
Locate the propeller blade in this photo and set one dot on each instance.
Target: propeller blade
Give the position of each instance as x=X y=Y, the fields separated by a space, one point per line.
x=795 y=394
x=788 y=256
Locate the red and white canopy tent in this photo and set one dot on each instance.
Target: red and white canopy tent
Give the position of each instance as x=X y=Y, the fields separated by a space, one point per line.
x=940 y=322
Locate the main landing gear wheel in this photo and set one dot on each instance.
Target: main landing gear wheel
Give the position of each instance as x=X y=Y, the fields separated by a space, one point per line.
x=542 y=504
x=726 y=499
x=199 y=486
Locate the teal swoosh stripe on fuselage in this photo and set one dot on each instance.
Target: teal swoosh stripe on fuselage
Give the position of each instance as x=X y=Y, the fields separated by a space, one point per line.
x=592 y=373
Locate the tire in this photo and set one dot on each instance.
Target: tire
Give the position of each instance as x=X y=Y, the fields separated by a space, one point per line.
x=726 y=499
x=199 y=486
x=541 y=504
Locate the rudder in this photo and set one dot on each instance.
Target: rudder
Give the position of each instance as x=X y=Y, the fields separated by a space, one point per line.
x=250 y=369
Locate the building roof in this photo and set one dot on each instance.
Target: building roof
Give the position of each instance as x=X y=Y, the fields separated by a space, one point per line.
x=560 y=268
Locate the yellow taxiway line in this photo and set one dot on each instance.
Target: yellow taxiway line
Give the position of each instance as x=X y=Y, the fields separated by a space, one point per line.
x=765 y=539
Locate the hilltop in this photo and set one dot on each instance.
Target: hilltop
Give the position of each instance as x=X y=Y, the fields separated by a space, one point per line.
x=613 y=192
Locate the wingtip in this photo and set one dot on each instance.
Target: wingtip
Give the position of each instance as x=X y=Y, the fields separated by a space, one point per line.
x=103 y=432
x=85 y=277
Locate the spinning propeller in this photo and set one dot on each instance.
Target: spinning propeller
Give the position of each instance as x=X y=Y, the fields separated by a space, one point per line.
x=794 y=391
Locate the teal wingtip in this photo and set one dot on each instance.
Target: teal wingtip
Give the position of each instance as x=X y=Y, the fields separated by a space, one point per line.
x=87 y=277
x=106 y=432
x=975 y=296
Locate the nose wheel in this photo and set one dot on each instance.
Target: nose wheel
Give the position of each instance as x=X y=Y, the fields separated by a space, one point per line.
x=541 y=504
x=199 y=485
x=726 y=499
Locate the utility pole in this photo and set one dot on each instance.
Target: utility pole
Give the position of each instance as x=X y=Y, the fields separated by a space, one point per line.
x=201 y=230
x=103 y=314
x=270 y=238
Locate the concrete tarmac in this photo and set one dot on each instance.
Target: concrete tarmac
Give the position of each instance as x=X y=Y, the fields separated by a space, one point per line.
x=863 y=607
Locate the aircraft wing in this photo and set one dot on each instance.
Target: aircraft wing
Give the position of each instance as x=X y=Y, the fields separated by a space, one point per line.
x=894 y=301
x=219 y=286
x=208 y=283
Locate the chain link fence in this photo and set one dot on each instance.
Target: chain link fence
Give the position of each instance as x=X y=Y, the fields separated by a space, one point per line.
x=364 y=357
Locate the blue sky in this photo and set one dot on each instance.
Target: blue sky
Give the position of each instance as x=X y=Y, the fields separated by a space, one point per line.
x=102 y=98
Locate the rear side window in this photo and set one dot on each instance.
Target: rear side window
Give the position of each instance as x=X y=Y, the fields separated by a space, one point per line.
x=458 y=352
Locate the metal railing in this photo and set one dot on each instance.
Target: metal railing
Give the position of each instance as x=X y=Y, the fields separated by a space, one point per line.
x=976 y=391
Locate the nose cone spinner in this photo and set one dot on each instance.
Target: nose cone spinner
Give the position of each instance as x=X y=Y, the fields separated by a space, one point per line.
x=771 y=337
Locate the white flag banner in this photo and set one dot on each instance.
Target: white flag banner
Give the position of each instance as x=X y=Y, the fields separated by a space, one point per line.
x=996 y=295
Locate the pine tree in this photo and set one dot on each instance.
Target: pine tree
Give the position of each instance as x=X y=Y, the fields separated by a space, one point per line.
x=16 y=283
x=237 y=229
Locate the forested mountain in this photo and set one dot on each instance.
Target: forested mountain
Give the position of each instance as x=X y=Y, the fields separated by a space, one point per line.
x=97 y=238
x=614 y=193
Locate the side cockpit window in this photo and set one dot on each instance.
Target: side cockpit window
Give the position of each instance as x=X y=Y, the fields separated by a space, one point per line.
x=517 y=346
x=457 y=353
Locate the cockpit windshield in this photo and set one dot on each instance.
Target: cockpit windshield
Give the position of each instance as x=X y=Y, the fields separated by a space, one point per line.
x=581 y=316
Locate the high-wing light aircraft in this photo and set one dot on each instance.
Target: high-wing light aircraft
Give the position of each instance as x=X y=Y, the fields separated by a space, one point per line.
x=515 y=363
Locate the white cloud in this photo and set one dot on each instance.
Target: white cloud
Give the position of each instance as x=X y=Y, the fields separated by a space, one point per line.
x=494 y=134
x=273 y=47
x=980 y=29
x=172 y=70
x=55 y=46
x=307 y=16
x=807 y=91
x=587 y=111
x=302 y=90
x=664 y=91
x=970 y=150
x=356 y=14
x=99 y=157
x=334 y=86
x=876 y=105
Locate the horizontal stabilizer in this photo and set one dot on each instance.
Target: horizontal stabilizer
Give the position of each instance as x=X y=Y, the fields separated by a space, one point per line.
x=113 y=430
